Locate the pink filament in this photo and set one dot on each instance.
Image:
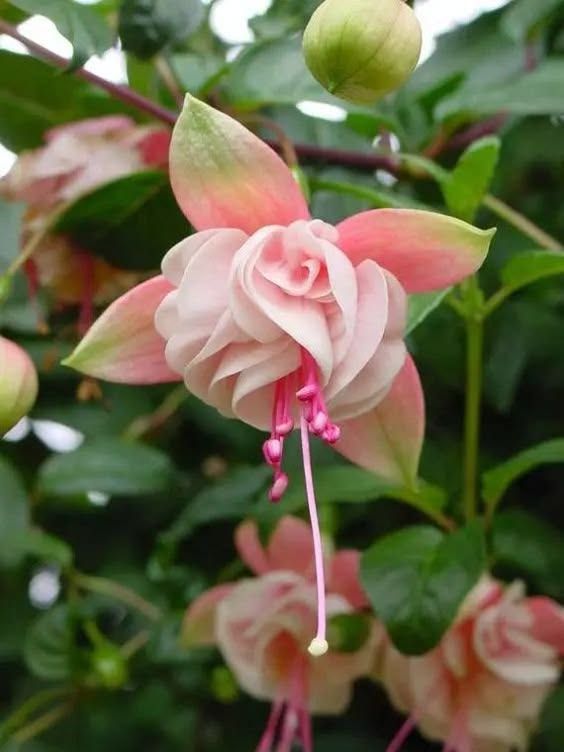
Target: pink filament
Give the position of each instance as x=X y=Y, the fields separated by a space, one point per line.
x=403 y=734
x=317 y=543
x=266 y=742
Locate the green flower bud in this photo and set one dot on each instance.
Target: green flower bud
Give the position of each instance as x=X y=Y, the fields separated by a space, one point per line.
x=18 y=384
x=361 y=50
x=110 y=666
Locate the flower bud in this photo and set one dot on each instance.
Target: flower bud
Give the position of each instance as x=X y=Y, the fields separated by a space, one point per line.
x=18 y=384
x=361 y=50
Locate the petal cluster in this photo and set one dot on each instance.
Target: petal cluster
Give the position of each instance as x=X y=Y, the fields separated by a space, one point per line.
x=482 y=688
x=245 y=308
x=263 y=625
x=78 y=158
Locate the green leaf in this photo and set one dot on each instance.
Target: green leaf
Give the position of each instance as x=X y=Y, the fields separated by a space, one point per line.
x=524 y=17
x=36 y=542
x=551 y=725
x=14 y=514
x=537 y=93
x=347 y=633
x=131 y=222
x=497 y=480
x=531 y=266
x=86 y=30
x=109 y=466
x=417 y=579
x=35 y=97
x=196 y=73
x=468 y=183
x=49 y=645
x=526 y=545
x=422 y=305
x=10 y=225
x=255 y=79
x=148 y=26
x=229 y=498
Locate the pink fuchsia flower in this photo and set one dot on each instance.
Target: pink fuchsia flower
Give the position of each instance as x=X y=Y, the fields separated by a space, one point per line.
x=76 y=159
x=482 y=688
x=262 y=628
x=81 y=156
x=18 y=384
x=279 y=319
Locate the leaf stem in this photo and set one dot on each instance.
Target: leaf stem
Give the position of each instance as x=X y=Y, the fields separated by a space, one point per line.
x=119 y=592
x=474 y=378
x=32 y=244
x=521 y=223
x=44 y=722
x=30 y=706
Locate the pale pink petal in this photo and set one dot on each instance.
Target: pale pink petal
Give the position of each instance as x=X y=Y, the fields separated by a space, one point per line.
x=371 y=319
x=424 y=250
x=100 y=126
x=123 y=345
x=344 y=578
x=388 y=440
x=548 y=622
x=224 y=176
x=198 y=627
x=290 y=547
x=176 y=260
x=250 y=548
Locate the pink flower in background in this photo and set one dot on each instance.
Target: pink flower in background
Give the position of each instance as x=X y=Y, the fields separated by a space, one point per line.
x=262 y=628
x=281 y=320
x=82 y=156
x=78 y=158
x=482 y=688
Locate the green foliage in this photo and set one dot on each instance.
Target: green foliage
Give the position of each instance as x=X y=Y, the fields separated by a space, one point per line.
x=129 y=222
x=467 y=184
x=109 y=466
x=14 y=513
x=148 y=26
x=85 y=29
x=179 y=477
x=417 y=578
x=497 y=480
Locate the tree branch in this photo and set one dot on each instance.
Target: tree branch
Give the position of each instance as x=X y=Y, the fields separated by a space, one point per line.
x=306 y=152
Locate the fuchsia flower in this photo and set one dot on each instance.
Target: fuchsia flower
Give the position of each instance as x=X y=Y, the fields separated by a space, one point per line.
x=262 y=627
x=76 y=159
x=79 y=157
x=482 y=688
x=282 y=320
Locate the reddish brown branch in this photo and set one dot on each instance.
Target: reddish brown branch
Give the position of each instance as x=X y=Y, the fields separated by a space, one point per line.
x=306 y=152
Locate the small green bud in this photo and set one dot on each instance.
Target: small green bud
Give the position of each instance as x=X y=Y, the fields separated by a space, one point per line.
x=347 y=633
x=18 y=384
x=109 y=666
x=223 y=685
x=361 y=50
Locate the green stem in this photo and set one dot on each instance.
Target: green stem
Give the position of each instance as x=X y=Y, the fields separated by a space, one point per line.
x=32 y=705
x=32 y=244
x=521 y=223
x=119 y=592
x=44 y=722
x=474 y=377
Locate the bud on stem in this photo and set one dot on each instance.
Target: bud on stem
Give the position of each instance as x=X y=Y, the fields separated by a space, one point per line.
x=361 y=50
x=18 y=384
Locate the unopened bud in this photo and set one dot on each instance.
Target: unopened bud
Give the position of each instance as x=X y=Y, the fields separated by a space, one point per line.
x=361 y=50
x=18 y=384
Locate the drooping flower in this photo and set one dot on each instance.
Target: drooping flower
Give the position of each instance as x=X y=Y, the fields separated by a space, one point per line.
x=262 y=627
x=18 y=384
x=482 y=688
x=76 y=159
x=281 y=320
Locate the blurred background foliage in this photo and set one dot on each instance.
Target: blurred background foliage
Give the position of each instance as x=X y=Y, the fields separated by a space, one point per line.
x=146 y=500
